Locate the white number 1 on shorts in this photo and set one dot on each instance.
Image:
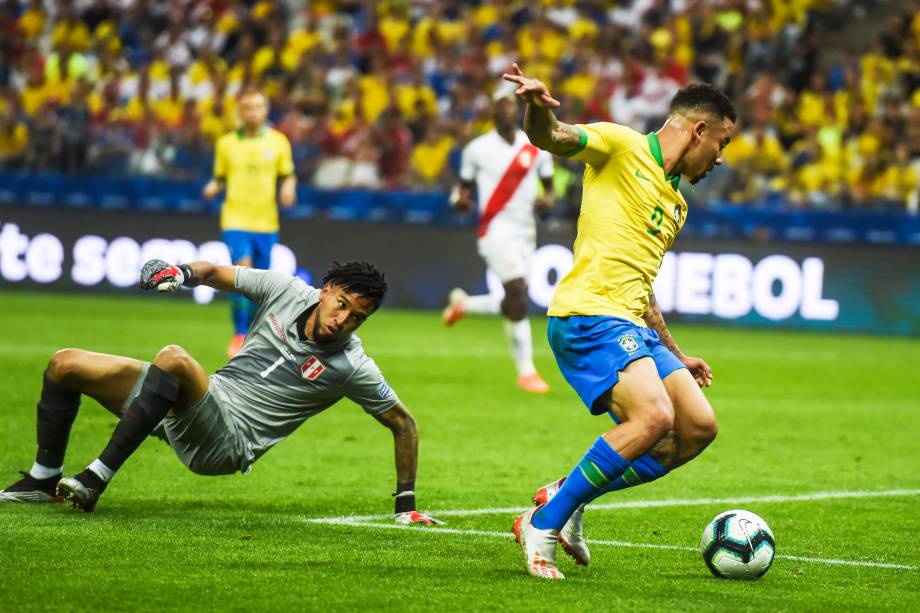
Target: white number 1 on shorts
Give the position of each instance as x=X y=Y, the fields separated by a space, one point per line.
x=275 y=365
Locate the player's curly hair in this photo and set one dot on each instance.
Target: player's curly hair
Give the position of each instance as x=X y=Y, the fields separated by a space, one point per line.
x=359 y=278
x=705 y=98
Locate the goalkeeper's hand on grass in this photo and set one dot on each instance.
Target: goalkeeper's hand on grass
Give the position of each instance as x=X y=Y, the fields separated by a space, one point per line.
x=163 y=276
x=414 y=517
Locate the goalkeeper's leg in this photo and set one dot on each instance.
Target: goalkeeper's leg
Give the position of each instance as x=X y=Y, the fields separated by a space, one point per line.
x=175 y=380
x=70 y=373
x=139 y=393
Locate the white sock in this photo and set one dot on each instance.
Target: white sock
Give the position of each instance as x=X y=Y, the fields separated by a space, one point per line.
x=102 y=471
x=518 y=333
x=43 y=472
x=486 y=304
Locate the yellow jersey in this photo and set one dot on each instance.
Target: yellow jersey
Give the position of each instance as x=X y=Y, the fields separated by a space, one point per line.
x=631 y=211
x=251 y=167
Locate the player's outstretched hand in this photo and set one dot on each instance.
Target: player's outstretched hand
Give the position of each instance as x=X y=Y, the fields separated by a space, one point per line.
x=414 y=517
x=699 y=369
x=461 y=200
x=161 y=275
x=531 y=91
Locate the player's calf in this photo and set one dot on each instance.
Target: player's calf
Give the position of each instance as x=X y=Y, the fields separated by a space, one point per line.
x=514 y=303
x=695 y=424
x=693 y=440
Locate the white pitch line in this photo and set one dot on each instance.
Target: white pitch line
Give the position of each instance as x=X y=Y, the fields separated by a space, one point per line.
x=645 y=504
x=609 y=543
x=848 y=562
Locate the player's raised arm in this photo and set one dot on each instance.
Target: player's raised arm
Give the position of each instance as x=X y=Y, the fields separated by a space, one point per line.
x=540 y=123
x=167 y=277
x=697 y=366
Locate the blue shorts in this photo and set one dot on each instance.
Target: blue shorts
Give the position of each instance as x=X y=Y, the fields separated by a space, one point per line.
x=591 y=350
x=254 y=245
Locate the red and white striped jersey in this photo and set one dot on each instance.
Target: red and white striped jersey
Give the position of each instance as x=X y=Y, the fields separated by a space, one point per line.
x=506 y=179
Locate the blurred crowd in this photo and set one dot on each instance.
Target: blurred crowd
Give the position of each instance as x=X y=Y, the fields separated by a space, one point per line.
x=384 y=94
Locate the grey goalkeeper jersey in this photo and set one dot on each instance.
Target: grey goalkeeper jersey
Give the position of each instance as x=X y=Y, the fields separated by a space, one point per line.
x=278 y=381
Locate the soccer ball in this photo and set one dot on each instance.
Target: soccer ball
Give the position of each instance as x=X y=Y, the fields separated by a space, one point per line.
x=738 y=545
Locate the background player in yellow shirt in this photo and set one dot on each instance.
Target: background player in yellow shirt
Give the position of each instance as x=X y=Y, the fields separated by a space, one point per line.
x=605 y=328
x=249 y=162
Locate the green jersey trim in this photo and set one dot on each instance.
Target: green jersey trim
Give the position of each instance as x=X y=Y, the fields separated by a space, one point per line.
x=655 y=146
x=583 y=142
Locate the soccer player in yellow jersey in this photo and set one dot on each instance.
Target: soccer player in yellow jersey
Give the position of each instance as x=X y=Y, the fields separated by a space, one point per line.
x=249 y=162
x=605 y=328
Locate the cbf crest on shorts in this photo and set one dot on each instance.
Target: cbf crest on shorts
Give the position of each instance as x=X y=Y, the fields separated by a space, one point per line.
x=312 y=369
x=628 y=343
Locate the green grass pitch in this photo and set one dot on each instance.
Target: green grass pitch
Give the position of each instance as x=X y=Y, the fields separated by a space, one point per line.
x=825 y=425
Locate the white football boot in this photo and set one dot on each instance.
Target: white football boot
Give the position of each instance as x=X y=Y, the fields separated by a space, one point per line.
x=572 y=535
x=538 y=546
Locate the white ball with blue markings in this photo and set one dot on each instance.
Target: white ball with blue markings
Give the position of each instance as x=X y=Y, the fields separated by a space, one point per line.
x=738 y=545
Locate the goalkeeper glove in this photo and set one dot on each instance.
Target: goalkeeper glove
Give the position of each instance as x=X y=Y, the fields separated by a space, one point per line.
x=414 y=517
x=163 y=276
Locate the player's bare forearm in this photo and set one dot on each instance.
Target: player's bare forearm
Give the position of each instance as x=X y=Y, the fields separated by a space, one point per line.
x=405 y=443
x=698 y=367
x=288 y=191
x=655 y=320
x=548 y=133
x=212 y=275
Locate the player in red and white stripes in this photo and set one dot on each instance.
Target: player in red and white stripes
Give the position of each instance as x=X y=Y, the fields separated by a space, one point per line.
x=504 y=167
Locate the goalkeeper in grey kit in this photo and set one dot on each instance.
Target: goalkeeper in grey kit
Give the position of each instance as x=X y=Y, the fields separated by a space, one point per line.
x=300 y=357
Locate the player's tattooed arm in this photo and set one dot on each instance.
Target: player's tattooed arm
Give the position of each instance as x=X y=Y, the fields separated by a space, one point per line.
x=540 y=123
x=405 y=445
x=655 y=320
x=548 y=133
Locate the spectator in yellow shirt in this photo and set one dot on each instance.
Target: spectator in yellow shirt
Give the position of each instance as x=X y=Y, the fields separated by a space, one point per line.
x=429 y=158
x=897 y=185
x=14 y=140
x=32 y=21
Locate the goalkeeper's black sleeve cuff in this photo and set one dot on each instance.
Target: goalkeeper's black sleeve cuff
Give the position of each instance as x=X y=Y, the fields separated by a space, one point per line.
x=190 y=279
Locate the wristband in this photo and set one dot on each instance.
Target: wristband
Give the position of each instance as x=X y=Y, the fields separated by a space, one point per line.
x=405 y=497
x=190 y=279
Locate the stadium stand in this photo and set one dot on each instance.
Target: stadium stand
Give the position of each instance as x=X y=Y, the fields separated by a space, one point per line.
x=383 y=95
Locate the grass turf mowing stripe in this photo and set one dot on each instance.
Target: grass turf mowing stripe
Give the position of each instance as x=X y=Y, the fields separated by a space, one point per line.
x=507 y=535
x=643 y=504
x=443 y=352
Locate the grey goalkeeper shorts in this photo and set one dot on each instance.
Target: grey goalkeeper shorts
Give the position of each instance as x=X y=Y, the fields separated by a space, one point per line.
x=203 y=436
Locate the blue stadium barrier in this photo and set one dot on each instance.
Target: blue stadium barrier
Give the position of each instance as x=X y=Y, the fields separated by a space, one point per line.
x=309 y=204
x=42 y=189
x=75 y=192
x=112 y=194
x=349 y=205
x=767 y=220
x=426 y=208
x=11 y=188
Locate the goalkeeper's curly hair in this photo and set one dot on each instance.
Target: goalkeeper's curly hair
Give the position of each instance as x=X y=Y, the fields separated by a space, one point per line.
x=359 y=278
